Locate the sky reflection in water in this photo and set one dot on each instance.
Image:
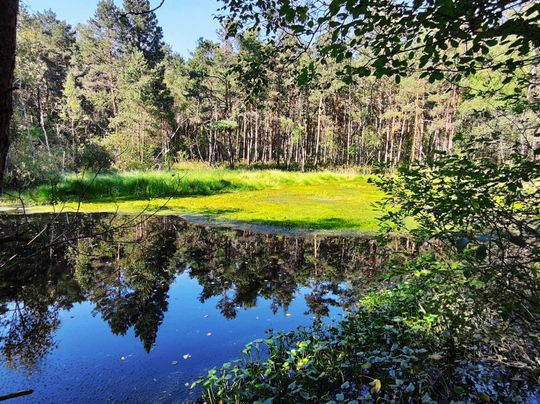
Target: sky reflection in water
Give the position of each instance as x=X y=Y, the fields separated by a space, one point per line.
x=103 y=308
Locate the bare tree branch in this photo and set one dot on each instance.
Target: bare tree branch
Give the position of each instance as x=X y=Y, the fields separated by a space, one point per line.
x=143 y=12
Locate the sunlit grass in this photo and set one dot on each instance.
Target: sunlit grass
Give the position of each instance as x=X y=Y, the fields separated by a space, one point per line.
x=137 y=185
x=322 y=200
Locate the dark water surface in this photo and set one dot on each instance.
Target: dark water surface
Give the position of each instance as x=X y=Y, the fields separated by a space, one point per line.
x=101 y=308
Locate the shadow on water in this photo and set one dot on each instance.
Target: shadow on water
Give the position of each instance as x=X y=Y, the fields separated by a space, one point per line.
x=125 y=266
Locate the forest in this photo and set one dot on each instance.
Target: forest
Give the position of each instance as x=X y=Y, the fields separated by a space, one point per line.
x=333 y=201
x=111 y=94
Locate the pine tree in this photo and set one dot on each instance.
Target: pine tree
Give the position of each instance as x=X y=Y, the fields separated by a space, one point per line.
x=136 y=131
x=96 y=66
x=142 y=31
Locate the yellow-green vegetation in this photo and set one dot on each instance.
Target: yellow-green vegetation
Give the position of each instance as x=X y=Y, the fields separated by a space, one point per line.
x=321 y=200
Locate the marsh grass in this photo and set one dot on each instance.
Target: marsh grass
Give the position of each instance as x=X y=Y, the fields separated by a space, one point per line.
x=144 y=185
x=317 y=201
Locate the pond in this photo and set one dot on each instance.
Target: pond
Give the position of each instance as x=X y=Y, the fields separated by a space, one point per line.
x=97 y=308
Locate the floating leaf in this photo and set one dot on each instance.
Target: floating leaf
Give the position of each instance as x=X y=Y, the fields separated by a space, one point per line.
x=376 y=383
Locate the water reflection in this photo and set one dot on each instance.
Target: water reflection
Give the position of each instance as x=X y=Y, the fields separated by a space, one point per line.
x=125 y=267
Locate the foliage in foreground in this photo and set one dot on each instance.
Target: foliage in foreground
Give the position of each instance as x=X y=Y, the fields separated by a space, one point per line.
x=457 y=321
x=485 y=214
x=396 y=347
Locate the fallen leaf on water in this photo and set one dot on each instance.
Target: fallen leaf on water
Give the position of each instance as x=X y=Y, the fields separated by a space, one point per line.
x=376 y=383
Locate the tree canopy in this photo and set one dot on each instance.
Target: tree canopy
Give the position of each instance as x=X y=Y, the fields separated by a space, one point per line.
x=440 y=38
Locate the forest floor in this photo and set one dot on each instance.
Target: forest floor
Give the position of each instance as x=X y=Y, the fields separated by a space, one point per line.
x=317 y=201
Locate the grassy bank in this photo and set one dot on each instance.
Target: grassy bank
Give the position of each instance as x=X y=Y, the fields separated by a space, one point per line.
x=321 y=200
x=142 y=185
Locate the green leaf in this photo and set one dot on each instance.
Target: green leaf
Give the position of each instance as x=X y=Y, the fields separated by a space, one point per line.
x=423 y=60
x=481 y=252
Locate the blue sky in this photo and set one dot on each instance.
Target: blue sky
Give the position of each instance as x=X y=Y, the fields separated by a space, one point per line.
x=183 y=21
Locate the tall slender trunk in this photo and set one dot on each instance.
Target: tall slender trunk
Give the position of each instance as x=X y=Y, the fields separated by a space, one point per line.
x=270 y=141
x=256 y=147
x=420 y=139
x=349 y=129
x=303 y=151
x=278 y=144
x=318 y=140
x=244 y=135
x=230 y=149
x=401 y=136
x=250 y=141
x=237 y=145
x=391 y=147
x=415 y=132
x=8 y=33
x=42 y=123
x=349 y=133
x=387 y=143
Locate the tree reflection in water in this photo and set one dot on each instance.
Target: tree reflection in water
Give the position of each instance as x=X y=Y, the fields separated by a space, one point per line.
x=126 y=265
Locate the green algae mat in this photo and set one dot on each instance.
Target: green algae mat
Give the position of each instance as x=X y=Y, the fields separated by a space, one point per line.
x=333 y=202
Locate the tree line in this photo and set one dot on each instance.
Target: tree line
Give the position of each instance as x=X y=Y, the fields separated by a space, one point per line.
x=111 y=93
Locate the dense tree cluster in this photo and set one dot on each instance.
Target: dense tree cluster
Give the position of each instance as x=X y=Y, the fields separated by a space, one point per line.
x=111 y=93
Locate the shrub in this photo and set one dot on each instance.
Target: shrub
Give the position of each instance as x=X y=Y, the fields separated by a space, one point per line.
x=94 y=157
x=30 y=165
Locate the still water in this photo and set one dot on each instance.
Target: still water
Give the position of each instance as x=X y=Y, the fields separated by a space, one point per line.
x=104 y=308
